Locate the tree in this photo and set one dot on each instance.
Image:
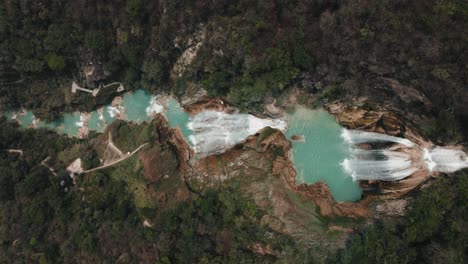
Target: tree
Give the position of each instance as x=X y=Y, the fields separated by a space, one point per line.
x=134 y=7
x=55 y=62
x=152 y=70
x=95 y=41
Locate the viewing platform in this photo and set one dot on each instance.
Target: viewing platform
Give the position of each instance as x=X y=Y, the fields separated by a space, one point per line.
x=76 y=87
x=95 y=91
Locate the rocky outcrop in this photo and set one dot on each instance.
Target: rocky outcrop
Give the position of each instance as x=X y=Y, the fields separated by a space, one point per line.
x=392 y=207
x=392 y=124
x=193 y=44
x=319 y=193
x=379 y=121
x=271 y=110
x=196 y=99
x=174 y=138
x=214 y=104
x=299 y=138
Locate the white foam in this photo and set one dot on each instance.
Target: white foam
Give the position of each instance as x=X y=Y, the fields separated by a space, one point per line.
x=383 y=165
x=154 y=107
x=113 y=111
x=216 y=132
x=446 y=160
x=358 y=137
x=81 y=122
x=430 y=164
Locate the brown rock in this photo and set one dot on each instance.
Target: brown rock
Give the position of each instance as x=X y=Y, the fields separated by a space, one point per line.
x=300 y=138
x=215 y=104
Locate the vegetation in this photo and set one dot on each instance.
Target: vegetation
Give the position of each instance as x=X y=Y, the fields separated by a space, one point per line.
x=99 y=217
x=55 y=62
x=334 y=50
x=252 y=49
x=433 y=230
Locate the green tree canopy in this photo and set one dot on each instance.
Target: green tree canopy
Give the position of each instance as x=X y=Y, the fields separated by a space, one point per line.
x=55 y=62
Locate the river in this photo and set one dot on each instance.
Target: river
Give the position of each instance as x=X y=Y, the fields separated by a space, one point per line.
x=325 y=152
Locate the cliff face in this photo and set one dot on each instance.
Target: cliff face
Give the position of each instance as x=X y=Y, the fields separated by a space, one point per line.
x=262 y=167
x=173 y=139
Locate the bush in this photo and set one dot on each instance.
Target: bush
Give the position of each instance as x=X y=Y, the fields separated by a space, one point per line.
x=95 y=41
x=134 y=7
x=55 y=62
x=152 y=70
x=433 y=230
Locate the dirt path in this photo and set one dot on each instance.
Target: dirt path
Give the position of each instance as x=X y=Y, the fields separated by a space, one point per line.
x=43 y=163
x=19 y=151
x=117 y=161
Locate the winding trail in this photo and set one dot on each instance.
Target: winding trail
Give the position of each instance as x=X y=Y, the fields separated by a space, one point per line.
x=44 y=163
x=19 y=151
x=124 y=157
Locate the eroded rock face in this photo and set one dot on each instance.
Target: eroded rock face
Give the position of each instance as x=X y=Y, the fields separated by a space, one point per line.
x=266 y=154
x=196 y=99
x=319 y=193
x=194 y=43
x=376 y=121
x=214 y=104
x=392 y=124
x=175 y=140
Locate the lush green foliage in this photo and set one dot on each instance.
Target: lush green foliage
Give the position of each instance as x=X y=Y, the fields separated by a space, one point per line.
x=55 y=62
x=252 y=49
x=433 y=231
x=49 y=219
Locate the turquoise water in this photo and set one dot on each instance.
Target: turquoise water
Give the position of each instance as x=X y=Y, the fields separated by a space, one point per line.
x=69 y=124
x=319 y=157
x=177 y=117
x=8 y=114
x=135 y=105
x=96 y=123
x=316 y=159
x=26 y=120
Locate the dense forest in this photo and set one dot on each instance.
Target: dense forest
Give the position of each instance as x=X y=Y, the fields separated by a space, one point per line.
x=251 y=49
x=49 y=218
x=333 y=49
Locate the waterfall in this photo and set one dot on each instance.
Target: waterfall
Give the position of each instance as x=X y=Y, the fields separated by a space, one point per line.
x=445 y=160
x=215 y=132
x=387 y=165
x=382 y=165
x=376 y=164
x=358 y=137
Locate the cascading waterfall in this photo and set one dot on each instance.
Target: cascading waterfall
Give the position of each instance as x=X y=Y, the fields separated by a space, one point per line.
x=445 y=160
x=377 y=164
x=358 y=137
x=383 y=165
x=215 y=132
x=388 y=165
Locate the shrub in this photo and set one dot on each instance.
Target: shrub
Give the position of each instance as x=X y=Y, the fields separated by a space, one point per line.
x=55 y=62
x=95 y=41
x=134 y=7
